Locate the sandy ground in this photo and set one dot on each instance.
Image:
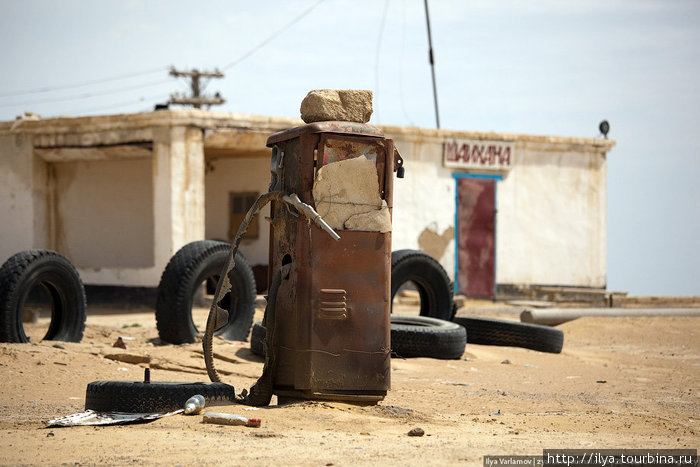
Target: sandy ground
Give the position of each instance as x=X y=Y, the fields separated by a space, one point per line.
x=619 y=383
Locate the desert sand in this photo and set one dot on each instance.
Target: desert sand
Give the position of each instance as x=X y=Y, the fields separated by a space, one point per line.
x=619 y=383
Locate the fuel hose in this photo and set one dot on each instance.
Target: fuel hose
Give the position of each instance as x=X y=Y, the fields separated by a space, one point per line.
x=261 y=392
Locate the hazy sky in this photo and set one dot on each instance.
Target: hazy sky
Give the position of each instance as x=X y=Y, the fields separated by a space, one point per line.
x=541 y=67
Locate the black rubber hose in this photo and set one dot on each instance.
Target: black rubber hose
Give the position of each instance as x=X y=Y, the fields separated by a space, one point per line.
x=208 y=341
x=261 y=392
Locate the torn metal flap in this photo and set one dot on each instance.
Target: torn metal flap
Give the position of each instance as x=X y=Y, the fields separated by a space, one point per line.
x=221 y=318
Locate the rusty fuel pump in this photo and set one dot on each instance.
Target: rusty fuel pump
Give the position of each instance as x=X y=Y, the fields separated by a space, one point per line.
x=327 y=318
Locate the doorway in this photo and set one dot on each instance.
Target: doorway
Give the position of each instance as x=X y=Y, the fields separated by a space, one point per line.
x=475 y=235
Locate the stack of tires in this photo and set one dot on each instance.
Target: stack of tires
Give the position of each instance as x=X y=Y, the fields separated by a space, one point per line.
x=436 y=332
x=436 y=291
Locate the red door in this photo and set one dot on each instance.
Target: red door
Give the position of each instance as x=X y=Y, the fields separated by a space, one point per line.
x=476 y=236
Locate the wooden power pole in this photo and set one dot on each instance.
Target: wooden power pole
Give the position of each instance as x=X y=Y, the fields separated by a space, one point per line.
x=197 y=99
x=432 y=65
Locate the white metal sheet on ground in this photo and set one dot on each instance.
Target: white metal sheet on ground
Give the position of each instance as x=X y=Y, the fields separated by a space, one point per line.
x=90 y=417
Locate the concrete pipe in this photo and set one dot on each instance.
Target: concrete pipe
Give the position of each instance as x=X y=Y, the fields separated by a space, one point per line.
x=554 y=316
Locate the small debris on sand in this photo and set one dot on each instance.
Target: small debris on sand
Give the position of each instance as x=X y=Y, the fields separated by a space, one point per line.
x=119 y=343
x=132 y=358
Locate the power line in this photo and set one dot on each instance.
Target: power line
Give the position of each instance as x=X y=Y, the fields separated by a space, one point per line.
x=402 y=62
x=85 y=96
x=141 y=73
x=272 y=36
x=160 y=97
x=376 y=56
x=84 y=83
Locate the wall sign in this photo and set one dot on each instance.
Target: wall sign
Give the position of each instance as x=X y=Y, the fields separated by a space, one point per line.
x=478 y=154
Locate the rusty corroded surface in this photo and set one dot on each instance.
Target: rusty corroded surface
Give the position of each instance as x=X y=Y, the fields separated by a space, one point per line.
x=336 y=149
x=348 y=128
x=332 y=311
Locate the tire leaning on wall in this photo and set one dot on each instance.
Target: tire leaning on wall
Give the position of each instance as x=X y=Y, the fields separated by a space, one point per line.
x=29 y=269
x=188 y=268
x=431 y=280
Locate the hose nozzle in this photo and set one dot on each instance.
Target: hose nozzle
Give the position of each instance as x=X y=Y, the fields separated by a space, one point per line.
x=311 y=213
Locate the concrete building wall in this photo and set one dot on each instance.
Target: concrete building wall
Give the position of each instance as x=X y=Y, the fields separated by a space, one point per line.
x=424 y=200
x=551 y=209
x=119 y=195
x=16 y=195
x=551 y=220
x=235 y=175
x=104 y=213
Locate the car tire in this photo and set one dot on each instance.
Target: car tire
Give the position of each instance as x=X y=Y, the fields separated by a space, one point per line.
x=153 y=397
x=431 y=280
x=486 y=331
x=188 y=268
x=422 y=336
x=21 y=274
x=411 y=336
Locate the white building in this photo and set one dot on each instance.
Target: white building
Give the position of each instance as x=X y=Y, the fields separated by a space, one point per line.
x=120 y=194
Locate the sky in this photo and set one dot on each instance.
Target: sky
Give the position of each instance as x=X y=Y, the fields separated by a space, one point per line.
x=545 y=67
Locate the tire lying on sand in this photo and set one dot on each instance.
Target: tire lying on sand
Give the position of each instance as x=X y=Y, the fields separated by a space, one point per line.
x=157 y=396
x=187 y=270
x=513 y=334
x=433 y=285
x=27 y=273
x=422 y=336
x=411 y=336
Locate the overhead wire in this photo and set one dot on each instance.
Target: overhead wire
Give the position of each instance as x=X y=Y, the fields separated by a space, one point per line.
x=376 y=56
x=86 y=96
x=402 y=62
x=272 y=36
x=235 y=62
x=123 y=104
x=84 y=83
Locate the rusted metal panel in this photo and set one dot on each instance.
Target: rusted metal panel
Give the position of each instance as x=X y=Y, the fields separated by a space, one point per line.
x=332 y=313
x=335 y=149
x=348 y=128
x=349 y=349
x=476 y=236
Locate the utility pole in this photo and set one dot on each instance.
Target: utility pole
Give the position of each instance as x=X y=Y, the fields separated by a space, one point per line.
x=197 y=99
x=432 y=64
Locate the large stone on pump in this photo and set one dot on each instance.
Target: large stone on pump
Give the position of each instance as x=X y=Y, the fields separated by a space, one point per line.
x=349 y=105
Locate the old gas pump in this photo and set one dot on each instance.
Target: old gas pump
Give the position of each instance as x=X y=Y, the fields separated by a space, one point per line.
x=328 y=314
